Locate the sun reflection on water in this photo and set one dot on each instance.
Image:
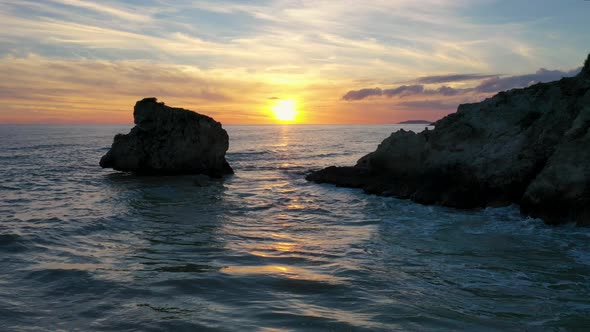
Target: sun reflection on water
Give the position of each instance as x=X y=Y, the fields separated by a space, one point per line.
x=282 y=271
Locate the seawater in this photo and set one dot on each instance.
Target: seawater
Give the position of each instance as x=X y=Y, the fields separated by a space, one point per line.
x=87 y=249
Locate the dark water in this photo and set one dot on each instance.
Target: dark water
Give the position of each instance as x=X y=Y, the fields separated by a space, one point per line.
x=94 y=250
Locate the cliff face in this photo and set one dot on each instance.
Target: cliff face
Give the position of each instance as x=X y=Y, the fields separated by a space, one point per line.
x=168 y=140
x=528 y=146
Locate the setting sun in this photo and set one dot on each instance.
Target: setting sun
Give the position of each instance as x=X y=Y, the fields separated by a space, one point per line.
x=284 y=110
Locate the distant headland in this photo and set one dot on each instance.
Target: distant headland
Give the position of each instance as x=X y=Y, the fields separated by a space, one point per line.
x=426 y=122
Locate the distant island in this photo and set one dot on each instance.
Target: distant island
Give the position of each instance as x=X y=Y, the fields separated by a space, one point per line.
x=416 y=122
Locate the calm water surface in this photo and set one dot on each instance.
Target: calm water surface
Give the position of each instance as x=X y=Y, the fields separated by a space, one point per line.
x=87 y=249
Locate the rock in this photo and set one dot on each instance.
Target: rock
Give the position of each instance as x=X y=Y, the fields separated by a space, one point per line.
x=526 y=146
x=167 y=140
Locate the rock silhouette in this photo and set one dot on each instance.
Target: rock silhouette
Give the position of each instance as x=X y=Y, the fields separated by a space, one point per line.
x=167 y=140
x=527 y=146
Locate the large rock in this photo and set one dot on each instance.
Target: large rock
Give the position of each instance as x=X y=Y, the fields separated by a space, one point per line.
x=527 y=146
x=167 y=140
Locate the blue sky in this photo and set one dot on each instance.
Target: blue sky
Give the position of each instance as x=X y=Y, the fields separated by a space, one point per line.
x=227 y=58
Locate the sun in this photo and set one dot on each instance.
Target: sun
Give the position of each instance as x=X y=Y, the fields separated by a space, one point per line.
x=285 y=110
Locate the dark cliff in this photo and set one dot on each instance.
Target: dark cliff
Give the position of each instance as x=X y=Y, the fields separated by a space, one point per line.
x=526 y=146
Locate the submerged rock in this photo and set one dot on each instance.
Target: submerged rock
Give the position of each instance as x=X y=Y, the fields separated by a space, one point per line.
x=527 y=146
x=167 y=140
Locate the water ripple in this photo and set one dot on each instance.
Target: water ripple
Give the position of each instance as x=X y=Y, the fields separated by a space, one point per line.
x=264 y=249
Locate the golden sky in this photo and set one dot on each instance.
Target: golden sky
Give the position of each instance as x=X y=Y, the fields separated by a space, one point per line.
x=74 y=61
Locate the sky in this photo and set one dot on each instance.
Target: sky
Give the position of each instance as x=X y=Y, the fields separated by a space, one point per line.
x=337 y=61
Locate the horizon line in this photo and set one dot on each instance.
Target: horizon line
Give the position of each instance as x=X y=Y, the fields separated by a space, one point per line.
x=223 y=124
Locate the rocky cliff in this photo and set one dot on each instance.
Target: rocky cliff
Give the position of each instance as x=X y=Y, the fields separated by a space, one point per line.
x=167 y=140
x=527 y=146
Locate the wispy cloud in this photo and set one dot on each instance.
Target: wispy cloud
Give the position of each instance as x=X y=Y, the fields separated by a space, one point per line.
x=86 y=89
x=489 y=85
x=39 y=89
x=127 y=14
x=505 y=83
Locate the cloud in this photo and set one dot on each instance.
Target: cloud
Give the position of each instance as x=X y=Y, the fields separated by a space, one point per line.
x=362 y=94
x=34 y=88
x=447 y=91
x=307 y=49
x=319 y=38
x=116 y=12
x=489 y=85
x=404 y=90
x=506 y=83
x=401 y=91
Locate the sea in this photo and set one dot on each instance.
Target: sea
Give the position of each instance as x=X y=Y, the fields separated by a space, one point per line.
x=90 y=249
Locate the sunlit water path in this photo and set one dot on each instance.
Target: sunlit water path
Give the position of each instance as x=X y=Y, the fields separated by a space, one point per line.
x=83 y=248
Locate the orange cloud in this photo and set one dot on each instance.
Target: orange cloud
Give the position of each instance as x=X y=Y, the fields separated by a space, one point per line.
x=35 y=89
x=39 y=90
